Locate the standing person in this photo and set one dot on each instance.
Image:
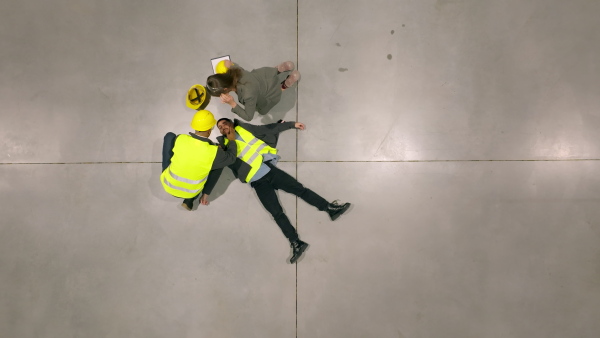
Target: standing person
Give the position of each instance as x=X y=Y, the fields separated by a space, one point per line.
x=256 y=164
x=192 y=163
x=258 y=90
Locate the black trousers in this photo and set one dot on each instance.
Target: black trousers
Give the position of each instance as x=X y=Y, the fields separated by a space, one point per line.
x=167 y=152
x=278 y=179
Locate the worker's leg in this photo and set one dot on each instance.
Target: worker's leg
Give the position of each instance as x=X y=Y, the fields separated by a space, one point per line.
x=268 y=198
x=168 y=145
x=284 y=181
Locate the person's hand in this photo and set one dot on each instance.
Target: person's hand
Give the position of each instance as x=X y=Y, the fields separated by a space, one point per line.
x=204 y=199
x=230 y=133
x=227 y=64
x=300 y=125
x=226 y=98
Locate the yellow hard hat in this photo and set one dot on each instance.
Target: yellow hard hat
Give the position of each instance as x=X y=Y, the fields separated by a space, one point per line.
x=221 y=68
x=203 y=120
x=196 y=97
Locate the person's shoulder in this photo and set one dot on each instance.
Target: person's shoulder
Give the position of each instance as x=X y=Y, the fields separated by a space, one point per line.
x=237 y=66
x=247 y=78
x=238 y=122
x=199 y=138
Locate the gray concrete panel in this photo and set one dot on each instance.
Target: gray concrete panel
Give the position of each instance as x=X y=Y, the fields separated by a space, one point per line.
x=441 y=80
x=97 y=81
x=478 y=249
x=100 y=251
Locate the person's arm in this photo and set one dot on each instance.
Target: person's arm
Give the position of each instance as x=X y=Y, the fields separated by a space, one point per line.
x=211 y=181
x=225 y=157
x=267 y=129
x=247 y=113
x=269 y=133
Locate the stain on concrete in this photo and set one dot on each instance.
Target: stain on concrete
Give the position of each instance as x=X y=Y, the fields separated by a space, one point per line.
x=389 y=56
x=341 y=70
x=392 y=32
x=338 y=44
x=403 y=25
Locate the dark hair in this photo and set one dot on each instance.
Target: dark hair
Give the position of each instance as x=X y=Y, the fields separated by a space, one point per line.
x=216 y=84
x=224 y=118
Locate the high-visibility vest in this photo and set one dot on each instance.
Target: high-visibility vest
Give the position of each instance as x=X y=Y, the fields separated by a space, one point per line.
x=250 y=150
x=191 y=162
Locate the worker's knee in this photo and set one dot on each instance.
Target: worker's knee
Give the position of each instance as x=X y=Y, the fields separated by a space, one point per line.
x=169 y=136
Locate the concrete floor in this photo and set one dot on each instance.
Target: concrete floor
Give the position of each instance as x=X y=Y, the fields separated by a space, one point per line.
x=466 y=133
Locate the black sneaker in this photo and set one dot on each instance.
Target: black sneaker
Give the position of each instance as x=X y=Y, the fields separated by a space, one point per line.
x=335 y=210
x=298 y=248
x=188 y=204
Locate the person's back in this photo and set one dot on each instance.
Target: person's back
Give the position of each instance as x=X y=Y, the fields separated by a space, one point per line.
x=258 y=90
x=190 y=165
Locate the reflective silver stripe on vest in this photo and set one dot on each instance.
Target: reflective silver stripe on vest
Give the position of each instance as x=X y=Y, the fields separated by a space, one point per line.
x=253 y=157
x=249 y=144
x=244 y=151
x=179 y=188
x=185 y=180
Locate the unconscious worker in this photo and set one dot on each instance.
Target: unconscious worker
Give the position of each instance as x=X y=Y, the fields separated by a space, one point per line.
x=256 y=164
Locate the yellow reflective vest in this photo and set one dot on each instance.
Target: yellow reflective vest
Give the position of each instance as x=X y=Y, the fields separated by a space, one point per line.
x=250 y=150
x=191 y=162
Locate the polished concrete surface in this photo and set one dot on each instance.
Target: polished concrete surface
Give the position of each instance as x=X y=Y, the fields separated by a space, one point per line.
x=465 y=133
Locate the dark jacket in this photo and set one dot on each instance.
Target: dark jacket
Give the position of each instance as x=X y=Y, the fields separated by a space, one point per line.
x=223 y=159
x=268 y=133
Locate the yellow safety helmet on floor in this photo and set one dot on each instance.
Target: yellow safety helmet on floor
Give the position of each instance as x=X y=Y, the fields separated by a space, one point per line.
x=221 y=68
x=196 y=97
x=203 y=120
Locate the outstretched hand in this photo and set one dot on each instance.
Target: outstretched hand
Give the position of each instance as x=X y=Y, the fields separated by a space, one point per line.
x=300 y=125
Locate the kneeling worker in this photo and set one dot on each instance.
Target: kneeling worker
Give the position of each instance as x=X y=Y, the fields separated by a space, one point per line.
x=255 y=164
x=192 y=164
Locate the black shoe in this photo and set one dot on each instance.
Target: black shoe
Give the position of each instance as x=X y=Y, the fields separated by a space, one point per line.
x=299 y=247
x=188 y=204
x=334 y=209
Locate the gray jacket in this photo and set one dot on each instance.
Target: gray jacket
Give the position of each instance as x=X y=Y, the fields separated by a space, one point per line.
x=258 y=90
x=268 y=133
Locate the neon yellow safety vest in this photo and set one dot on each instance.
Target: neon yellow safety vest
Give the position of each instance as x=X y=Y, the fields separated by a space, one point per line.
x=191 y=162
x=250 y=150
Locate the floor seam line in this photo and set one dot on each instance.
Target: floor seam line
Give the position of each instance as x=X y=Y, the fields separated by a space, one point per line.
x=296 y=158
x=298 y=161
